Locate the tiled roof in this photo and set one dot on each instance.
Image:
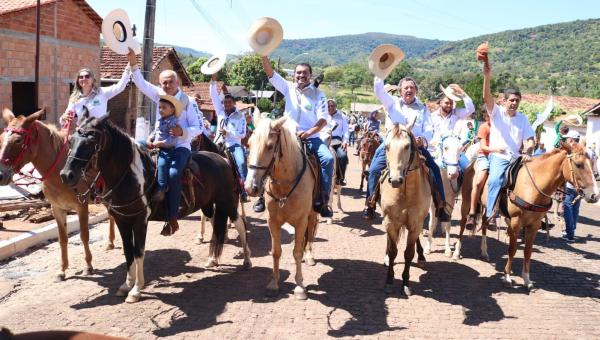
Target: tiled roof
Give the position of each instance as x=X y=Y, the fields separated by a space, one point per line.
x=12 y=6
x=201 y=93
x=112 y=64
x=569 y=104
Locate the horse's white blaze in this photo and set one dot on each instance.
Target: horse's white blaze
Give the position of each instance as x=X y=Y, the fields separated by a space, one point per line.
x=137 y=168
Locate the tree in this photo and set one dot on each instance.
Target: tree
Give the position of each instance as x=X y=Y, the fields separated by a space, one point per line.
x=403 y=69
x=264 y=105
x=247 y=71
x=194 y=70
x=355 y=75
x=333 y=74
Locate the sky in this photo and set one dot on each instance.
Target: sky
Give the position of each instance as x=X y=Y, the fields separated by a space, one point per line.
x=220 y=26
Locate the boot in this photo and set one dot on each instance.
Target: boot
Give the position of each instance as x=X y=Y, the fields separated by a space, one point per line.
x=170 y=227
x=369 y=213
x=158 y=196
x=259 y=206
x=326 y=211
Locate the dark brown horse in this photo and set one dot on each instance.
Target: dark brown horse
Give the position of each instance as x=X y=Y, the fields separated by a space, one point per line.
x=130 y=174
x=368 y=144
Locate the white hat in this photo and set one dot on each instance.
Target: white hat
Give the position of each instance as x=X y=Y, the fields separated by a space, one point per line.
x=450 y=93
x=118 y=34
x=573 y=119
x=572 y=134
x=383 y=59
x=214 y=64
x=264 y=35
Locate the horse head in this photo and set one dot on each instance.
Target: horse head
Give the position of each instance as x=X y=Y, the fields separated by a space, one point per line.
x=19 y=136
x=400 y=147
x=86 y=142
x=578 y=171
x=450 y=148
x=265 y=148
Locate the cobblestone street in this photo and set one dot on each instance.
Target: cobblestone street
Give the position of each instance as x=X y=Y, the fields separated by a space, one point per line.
x=451 y=299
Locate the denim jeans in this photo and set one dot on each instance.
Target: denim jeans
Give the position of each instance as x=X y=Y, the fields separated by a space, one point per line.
x=498 y=167
x=317 y=147
x=164 y=160
x=571 y=212
x=237 y=151
x=351 y=138
x=179 y=160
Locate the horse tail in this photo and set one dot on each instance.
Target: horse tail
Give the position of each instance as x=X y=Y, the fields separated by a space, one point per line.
x=311 y=229
x=219 y=231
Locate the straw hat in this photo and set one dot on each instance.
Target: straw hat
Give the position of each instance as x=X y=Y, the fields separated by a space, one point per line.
x=118 y=34
x=573 y=119
x=383 y=59
x=264 y=35
x=176 y=103
x=450 y=93
x=214 y=64
x=482 y=52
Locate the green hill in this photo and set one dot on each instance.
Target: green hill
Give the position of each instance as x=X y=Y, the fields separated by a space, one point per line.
x=348 y=48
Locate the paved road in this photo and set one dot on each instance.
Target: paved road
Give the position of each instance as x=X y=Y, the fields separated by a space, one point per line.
x=452 y=299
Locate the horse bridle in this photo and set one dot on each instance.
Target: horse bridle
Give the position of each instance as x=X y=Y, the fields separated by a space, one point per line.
x=27 y=135
x=445 y=165
x=276 y=153
x=412 y=149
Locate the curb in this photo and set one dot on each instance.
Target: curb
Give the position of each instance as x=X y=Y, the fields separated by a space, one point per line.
x=35 y=237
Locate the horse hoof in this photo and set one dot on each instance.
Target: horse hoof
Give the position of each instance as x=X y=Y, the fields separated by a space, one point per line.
x=386 y=261
x=309 y=261
x=88 y=271
x=507 y=282
x=407 y=291
x=59 y=277
x=211 y=263
x=329 y=221
x=485 y=258
x=421 y=263
x=109 y=246
x=426 y=251
x=247 y=265
x=388 y=289
x=448 y=253
x=272 y=292
x=199 y=240
x=456 y=257
x=529 y=286
x=133 y=298
x=300 y=293
x=122 y=291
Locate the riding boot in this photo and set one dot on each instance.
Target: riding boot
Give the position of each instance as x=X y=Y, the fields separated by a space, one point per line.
x=259 y=206
x=170 y=227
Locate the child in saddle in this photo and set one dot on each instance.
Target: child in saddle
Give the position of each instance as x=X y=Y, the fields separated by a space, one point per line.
x=170 y=108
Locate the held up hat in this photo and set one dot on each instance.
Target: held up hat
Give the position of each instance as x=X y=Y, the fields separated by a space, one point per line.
x=118 y=34
x=482 y=52
x=450 y=93
x=264 y=35
x=573 y=119
x=383 y=59
x=176 y=103
x=214 y=64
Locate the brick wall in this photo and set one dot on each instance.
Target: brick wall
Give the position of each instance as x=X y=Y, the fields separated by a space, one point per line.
x=69 y=41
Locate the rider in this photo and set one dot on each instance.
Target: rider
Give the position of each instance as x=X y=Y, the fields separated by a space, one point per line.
x=509 y=131
x=444 y=119
x=186 y=129
x=371 y=124
x=232 y=129
x=306 y=106
x=570 y=203
x=340 y=134
x=400 y=110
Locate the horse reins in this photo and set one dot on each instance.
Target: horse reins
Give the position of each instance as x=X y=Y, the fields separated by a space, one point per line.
x=445 y=164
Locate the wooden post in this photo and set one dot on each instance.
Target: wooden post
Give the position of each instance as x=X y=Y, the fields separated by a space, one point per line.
x=148 y=48
x=37 y=57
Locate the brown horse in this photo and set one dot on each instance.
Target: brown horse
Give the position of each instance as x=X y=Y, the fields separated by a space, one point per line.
x=368 y=145
x=26 y=139
x=276 y=154
x=405 y=197
x=536 y=181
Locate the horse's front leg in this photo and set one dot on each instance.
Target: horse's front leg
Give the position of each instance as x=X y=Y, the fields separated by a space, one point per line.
x=448 y=249
x=299 y=235
x=139 y=244
x=393 y=232
x=200 y=237
x=110 y=244
x=484 y=252
x=432 y=227
x=275 y=229
x=529 y=237
x=513 y=230
x=60 y=216
x=84 y=235
x=313 y=221
x=240 y=226
x=127 y=240
x=409 y=254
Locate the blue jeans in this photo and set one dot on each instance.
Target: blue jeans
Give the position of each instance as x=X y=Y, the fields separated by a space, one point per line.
x=237 y=151
x=351 y=138
x=179 y=160
x=317 y=147
x=571 y=212
x=379 y=163
x=498 y=167
x=164 y=160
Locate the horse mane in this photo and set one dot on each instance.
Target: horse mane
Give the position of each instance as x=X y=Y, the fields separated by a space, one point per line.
x=118 y=150
x=56 y=136
x=290 y=147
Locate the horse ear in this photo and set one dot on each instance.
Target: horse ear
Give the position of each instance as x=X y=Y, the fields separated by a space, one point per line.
x=35 y=116
x=86 y=113
x=565 y=146
x=7 y=115
x=256 y=117
x=278 y=123
x=582 y=142
x=395 y=129
x=411 y=123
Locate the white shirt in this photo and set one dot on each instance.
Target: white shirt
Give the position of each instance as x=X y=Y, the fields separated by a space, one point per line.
x=443 y=126
x=188 y=120
x=508 y=132
x=341 y=130
x=234 y=123
x=96 y=103
x=304 y=106
x=400 y=112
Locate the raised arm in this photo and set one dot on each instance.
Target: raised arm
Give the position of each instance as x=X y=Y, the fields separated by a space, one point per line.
x=115 y=89
x=149 y=90
x=487 y=91
x=266 y=64
x=214 y=95
x=385 y=98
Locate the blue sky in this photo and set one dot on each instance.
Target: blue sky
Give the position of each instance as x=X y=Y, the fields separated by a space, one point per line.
x=218 y=26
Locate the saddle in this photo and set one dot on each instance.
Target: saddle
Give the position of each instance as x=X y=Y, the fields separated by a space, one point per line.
x=508 y=184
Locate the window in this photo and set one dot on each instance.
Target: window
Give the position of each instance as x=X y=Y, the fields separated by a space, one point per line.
x=23 y=97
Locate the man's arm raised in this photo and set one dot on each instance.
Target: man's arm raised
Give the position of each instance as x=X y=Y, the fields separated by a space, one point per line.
x=487 y=91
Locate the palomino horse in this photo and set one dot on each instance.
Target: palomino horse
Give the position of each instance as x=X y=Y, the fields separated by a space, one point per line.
x=130 y=175
x=449 y=150
x=531 y=198
x=26 y=139
x=368 y=145
x=405 y=197
x=276 y=154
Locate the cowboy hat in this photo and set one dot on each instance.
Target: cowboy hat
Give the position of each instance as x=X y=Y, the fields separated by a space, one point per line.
x=264 y=35
x=214 y=64
x=383 y=59
x=482 y=52
x=450 y=93
x=573 y=119
x=118 y=34
x=175 y=102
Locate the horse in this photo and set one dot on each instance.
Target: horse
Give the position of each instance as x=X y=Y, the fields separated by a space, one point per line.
x=449 y=151
x=130 y=176
x=276 y=154
x=25 y=140
x=531 y=197
x=368 y=144
x=405 y=197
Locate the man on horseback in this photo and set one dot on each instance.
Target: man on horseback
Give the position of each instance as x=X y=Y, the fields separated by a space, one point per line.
x=510 y=130
x=401 y=110
x=306 y=106
x=232 y=128
x=339 y=141
x=444 y=119
x=187 y=127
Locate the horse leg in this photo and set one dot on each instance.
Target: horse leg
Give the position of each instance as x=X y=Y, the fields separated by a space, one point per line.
x=529 y=237
x=127 y=239
x=338 y=190
x=84 y=235
x=311 y=231
x=362 y=175
x=63 y=239
x=420 y=256
x=200 y=237
x=110 y=245
x=299 y=239
x=513 y=230
x=484 y=253
x=240 y=226
x=409 y=254
x=458 y=244
x=432 y=227
x=448 y=250
x=139 y=244
x=392 y=251
x=275 y=229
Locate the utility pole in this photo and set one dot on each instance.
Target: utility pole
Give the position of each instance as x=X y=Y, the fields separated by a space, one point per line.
x=146 y=107
x=36 y=98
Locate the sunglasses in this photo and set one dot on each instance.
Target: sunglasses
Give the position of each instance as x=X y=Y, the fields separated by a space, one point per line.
x=84 y=76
